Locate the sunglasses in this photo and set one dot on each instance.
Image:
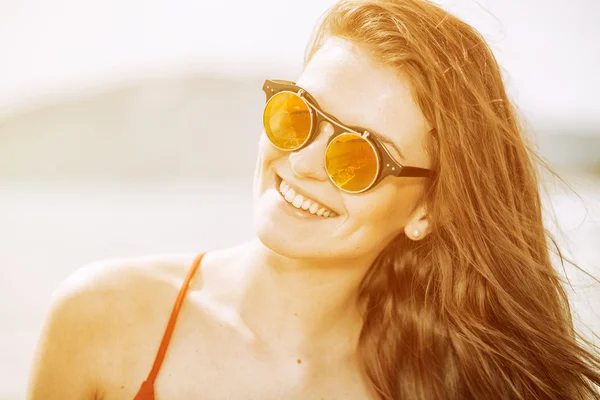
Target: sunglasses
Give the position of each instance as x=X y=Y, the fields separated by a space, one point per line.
x=355 y=159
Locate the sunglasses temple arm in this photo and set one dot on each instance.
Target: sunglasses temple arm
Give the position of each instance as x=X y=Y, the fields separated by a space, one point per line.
x=415 y=172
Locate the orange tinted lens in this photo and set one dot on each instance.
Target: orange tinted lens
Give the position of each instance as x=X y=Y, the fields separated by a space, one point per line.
x=351 y=162
x=287 y=120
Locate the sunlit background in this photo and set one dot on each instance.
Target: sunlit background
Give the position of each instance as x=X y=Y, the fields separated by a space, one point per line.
x=130 y=127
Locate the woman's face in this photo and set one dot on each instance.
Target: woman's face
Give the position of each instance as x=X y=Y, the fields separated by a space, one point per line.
x=349 y=85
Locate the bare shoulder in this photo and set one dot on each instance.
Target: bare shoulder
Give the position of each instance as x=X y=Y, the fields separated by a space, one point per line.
x=125 y=274
x=98 y=311
x=155 y=268
x=115 y=286
x=117 y=296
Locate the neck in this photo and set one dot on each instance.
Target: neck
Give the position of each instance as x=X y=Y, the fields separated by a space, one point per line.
x=297 y=306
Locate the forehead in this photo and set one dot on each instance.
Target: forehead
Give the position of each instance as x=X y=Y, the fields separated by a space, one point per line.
x=355 y=89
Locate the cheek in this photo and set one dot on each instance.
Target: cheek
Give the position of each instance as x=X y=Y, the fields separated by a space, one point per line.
x=385 y=210
x=266 y=152
x=267 y=157
x=382 y=214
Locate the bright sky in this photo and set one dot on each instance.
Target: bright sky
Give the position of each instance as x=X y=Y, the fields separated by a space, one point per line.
x=549 y=49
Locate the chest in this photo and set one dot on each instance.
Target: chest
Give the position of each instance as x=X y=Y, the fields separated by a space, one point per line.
x=250 y=379
x=210 y=362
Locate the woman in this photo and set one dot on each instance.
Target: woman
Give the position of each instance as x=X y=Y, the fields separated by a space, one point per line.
x=400 y=251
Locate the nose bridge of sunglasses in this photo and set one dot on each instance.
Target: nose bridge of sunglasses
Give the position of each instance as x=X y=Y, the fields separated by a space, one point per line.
x=320 y=138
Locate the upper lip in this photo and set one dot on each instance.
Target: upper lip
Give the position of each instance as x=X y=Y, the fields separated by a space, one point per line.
x=305 y=194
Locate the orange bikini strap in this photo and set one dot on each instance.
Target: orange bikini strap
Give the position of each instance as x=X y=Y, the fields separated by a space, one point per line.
x=162 y=350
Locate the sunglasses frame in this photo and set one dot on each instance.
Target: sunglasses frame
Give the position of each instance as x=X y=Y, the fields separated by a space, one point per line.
x=386 y=164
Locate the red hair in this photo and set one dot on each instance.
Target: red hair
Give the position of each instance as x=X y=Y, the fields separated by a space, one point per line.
x=475 y=310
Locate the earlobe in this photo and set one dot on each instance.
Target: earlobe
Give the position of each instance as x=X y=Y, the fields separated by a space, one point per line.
x=418 y=226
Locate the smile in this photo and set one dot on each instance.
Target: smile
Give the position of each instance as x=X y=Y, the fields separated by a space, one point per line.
x=303 y=202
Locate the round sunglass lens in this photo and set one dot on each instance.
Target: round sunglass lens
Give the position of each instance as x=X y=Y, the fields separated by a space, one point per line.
x=287 y=120
x=351 y=162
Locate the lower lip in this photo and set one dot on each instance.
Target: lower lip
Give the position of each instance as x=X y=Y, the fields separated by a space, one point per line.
x=291 y=210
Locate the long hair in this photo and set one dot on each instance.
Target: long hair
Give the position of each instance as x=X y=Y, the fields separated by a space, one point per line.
x=476 y=309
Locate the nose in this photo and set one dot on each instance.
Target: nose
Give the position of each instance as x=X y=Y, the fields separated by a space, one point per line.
x=309 y=162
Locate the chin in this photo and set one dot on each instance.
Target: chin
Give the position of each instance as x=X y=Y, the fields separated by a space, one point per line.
x=295 y=233
x=290 y=231
x=291 y=243
x=293 y=239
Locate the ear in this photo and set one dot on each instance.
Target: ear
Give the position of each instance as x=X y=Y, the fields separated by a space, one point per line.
x=418 y=224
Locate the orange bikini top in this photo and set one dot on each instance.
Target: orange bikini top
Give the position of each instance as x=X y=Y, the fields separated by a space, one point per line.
x=146 y=391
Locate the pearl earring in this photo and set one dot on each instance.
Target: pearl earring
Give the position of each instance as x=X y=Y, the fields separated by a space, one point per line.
x=416 y=233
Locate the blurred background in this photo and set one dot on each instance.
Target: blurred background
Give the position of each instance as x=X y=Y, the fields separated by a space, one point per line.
x=130 y=127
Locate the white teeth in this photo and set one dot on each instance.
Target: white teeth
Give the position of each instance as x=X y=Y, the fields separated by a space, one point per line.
x=289 y=196
x=300 y=201
x=306 y=204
